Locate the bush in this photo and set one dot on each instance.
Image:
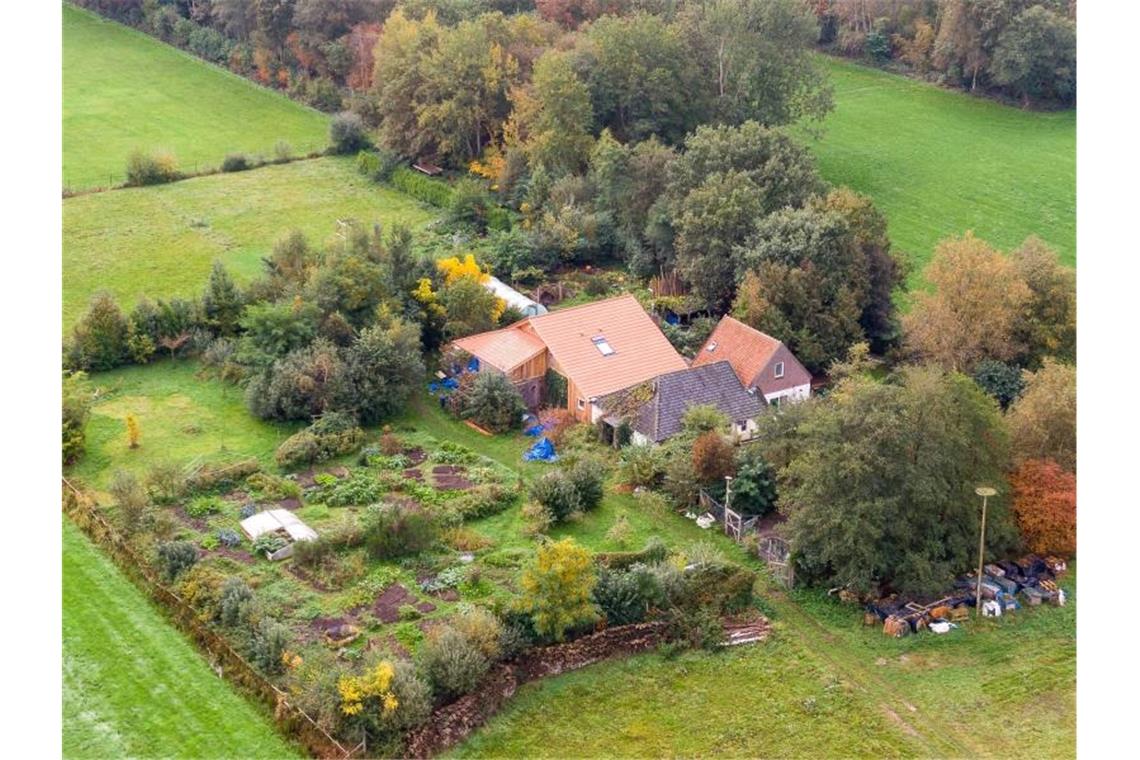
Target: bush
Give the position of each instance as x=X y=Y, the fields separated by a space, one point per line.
x=481 y=629
x=713 y=458
x=641 y=466
x=398 y=531
x=269 y=643
x=235 y=603
x=754 y=487
x=484 y=501
x=130 y=499
x=453 y=664
x=454 y=453
x=331 y=435
x=204 y=505
x=267 y=543
x=1045 y=506
x=348 y=134
x=470 y=205
x=431 y=191
x=99 y=340
x=176 y=557
x=358 y=489
x=282 y=151
x=230 y=539
x=273 y=487
x=563 y=492
x=494 y=403
x=626 y=596
x=558 y=589
x=1002 y=381
x=145 y=169
x=165 y=482
x=77 y=400
x=221 y=474
x=378 y=164
x=235 y=162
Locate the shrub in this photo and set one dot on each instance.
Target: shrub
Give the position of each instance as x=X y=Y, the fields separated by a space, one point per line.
x=1002 y=381
x=130 y=499
x=431 y=191
x=641 y=465
x=359 y=488
x=567 y=490
x=299 y=449
x=398 y=531
x=165 y=482
x=273 y=487
x=1045 y=506
x=754 y=487
x=536 y=519
x=267 y=543
x=482 y=629
x=493 y=402
x=221 y=474
x=333 y=434
x=99 y=339
x=235 y=603
x=304 y=384
x=205 y=505
x=558 y=589
x=712 y=458
x=453 y=664
x=620 y=531
x=484 y=501
x=454 y=453
x=699 y=628
x=230 y=539
x=235 y=162
x=176 y=557
x=408 y=612
x=348 y=134
x=145 y=169
x=77 y=400
x=470 y=205
x=626 y=596
x=390 y=444
x=378 y=164
x=270 y=641
x=282 y=151
x=555 y=422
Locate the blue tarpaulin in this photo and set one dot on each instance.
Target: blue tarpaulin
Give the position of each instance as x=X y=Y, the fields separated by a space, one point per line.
x=541 y=451
x=473 y=365
x=534 y=431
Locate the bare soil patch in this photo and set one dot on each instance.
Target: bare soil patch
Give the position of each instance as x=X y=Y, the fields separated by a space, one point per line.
x=387 y=606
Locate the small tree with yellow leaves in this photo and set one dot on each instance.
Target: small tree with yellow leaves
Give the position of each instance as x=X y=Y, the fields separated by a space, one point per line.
x=133 y=432
x=454 y=269
x=371 y=690
x=558 y=589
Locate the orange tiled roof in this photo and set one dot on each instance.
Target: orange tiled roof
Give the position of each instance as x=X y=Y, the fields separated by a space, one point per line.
x=747 y=349
x=505 y=349
x=640 y=350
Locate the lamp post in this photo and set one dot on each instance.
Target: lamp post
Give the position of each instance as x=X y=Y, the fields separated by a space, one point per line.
x=985 y=492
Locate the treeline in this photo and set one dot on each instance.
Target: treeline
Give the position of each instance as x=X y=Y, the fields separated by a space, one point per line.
x=1022 y=49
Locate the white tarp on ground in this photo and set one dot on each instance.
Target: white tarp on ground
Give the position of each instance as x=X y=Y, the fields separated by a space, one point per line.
x=528 y=307
x=273 y=520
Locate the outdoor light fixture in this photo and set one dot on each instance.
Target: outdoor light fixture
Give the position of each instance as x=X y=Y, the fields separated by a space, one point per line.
x=985 y=492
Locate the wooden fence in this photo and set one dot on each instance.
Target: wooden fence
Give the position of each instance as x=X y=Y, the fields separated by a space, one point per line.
x=772 y=549
x=226 y=661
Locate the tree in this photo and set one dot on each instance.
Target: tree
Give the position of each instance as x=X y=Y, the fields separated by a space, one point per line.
x=1043 y=422
x=879 y=491
x=348 y=134
x=1000 y=380
x=754 y=486
x=221 y=301
x=713 y=458
x=558 y=588
x=807 y=282
x=133 y=432
x=77 y=400
x=554 y=116
x=1036 y=56
x=272 y=330
x=304 y=384
x=349 y=283
x=1045 y=505
x=493 y=402
x=469 y=306
x=973 y=311
x=753 y=60
x=382 y=367
x=1049 y=325
x=400 y=55
x=640 y=77
x=99 y=339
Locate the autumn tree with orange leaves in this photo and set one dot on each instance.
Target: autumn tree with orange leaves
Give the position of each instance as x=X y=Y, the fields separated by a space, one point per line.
x=1045 y=506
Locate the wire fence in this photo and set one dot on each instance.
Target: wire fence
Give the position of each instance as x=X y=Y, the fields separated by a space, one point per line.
x=226 y=661
x=256 y=160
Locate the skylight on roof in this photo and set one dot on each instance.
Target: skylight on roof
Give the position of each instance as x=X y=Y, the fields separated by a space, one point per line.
x=711 y=347
x=603 y=346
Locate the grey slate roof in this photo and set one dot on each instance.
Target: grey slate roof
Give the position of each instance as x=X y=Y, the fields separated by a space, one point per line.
x=654 y=408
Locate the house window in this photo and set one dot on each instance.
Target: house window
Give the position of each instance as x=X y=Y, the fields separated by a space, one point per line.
x=779 y=369
x=711 y=347
x=603 y=345
x=581 y=403
x=775 y=402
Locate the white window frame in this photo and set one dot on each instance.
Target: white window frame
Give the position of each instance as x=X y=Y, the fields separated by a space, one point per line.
x=581 y=403
x=603 y=346
x=778 y=370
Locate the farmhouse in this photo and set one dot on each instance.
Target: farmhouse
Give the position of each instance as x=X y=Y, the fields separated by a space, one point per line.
x=653 y=409
x=572 y=357
x=761 y=362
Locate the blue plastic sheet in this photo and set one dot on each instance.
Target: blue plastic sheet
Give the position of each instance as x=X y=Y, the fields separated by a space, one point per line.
x=473 y=365
x=534 y=431
x=450 y=383
x=541 y=451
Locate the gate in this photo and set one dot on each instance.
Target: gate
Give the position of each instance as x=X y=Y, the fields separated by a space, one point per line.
x=777 y=555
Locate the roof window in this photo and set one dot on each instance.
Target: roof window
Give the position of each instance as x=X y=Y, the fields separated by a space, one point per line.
x=603 y=346
x=711 y=347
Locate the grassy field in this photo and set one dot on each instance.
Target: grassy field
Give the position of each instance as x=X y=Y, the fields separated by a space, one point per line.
x=133 y=686
x=182 y=418
x=123 y=90
x=939 y=162
x=161 y=241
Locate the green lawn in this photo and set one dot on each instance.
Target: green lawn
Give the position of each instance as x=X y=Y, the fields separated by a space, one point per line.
x=123 y=90
x=133 y=686
x=939 y=162
x=161 y=241
x=182 y=418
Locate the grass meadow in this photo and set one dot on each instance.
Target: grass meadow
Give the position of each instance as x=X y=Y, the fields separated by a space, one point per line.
x=123 y=90
x=161 y=241
x=938 y=163
x=133 y=686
